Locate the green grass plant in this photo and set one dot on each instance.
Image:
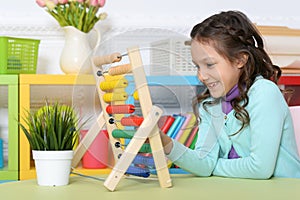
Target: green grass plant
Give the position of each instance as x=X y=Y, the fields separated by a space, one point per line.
x=52 y=128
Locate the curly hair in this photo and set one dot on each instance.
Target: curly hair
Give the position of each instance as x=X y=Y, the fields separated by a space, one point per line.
x=232 y=35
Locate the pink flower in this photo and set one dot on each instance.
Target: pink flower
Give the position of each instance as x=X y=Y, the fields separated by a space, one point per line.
x=101 y=3
x=93 y=3
x=41 y=3
x=97 y=3
x=63 y=1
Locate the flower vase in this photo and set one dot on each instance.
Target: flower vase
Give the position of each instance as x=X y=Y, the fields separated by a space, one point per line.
x=76 y=53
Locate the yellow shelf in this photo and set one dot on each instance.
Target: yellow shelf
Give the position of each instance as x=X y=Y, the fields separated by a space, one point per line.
x=56 y=79
x=42 y=83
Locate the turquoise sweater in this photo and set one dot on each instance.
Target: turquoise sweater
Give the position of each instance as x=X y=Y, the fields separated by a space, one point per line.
x=267 y=146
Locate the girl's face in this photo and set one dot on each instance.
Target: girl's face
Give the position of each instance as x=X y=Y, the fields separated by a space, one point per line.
x=216 y=72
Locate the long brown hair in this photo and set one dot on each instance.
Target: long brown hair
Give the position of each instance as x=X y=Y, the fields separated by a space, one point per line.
x=232 y=35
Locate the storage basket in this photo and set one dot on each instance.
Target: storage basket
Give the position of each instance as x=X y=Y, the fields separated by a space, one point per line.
x=171 y=57
x=18 y=55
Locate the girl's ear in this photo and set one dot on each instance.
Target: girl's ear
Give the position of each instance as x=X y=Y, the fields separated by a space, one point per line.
x=242 y=60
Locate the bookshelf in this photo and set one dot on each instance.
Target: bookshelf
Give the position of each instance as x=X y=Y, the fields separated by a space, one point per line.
x=172 y=93
x=9 y=126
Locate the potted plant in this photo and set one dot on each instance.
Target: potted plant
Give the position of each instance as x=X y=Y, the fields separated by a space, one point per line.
x=52 y=132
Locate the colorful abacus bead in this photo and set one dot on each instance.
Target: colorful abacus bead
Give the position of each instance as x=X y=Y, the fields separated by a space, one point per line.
x=132 y=121
x=110 y=97
x=109 y=85
x=120 y=109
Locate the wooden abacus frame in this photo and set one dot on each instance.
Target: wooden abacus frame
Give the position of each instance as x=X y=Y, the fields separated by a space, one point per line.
x=147 y=130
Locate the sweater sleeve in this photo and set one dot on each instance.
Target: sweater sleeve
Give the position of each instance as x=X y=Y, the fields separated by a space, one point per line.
x=202 y=160
x=267 y=110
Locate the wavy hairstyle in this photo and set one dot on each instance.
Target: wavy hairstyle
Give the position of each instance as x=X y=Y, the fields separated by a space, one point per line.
x=233 y=35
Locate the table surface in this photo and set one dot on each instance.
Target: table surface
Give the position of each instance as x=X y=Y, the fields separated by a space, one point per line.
x=184 y=186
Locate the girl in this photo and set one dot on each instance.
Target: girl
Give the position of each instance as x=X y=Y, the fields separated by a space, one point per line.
x=245 y=127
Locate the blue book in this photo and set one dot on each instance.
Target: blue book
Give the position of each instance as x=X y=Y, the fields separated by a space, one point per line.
x=138 y=171
x=177 y=129
x=144 y=160
x=174 y=125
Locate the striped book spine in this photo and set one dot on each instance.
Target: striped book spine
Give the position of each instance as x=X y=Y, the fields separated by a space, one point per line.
x=188 y=129
x=188 y=117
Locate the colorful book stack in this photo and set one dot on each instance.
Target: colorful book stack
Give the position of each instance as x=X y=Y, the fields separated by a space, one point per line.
x=180 y=127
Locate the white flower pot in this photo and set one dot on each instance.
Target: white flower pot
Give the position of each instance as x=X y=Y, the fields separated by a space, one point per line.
x=52 y=167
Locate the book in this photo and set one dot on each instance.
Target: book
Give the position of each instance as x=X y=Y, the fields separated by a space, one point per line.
x=162 y=121
x=179 y=126
x=165 y=122
x=192 y=146
x=188 y=117
x=188 y=129
x=192 y=137
x=174 y=125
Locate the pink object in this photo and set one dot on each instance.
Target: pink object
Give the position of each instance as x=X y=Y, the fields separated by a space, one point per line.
x=41 y=3
x=184 y=126
x=101 y=3
x=295 y=111
x=96 y=156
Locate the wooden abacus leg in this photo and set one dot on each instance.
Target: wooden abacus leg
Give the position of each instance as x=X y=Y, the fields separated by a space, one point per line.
x=146 y=103
x=145 y=130
x=158 y=156
x=88 y=140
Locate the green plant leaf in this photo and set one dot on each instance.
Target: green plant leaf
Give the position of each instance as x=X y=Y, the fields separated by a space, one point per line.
x=52 y=127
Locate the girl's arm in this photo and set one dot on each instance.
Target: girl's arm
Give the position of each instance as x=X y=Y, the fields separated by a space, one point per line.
x=200 y=161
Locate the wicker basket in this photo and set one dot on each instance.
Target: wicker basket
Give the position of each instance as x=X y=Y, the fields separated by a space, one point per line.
x=18 y=55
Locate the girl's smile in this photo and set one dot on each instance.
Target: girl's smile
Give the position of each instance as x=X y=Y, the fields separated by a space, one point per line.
x=214 y=86
x=216 y=72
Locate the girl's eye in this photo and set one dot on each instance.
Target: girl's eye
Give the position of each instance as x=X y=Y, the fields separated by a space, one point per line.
x=209 y=64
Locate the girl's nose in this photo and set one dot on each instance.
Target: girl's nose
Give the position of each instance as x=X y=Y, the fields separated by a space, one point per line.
x=202 y=75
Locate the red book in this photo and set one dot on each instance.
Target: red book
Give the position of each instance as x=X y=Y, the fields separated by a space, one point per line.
x=165 y=123
x=191 y=137
x=162 y=121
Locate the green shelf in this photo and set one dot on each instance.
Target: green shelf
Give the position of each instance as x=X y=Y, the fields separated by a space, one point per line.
x=9 y=103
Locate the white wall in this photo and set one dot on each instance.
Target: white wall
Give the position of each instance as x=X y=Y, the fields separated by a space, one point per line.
x=25 y=19
x=153 y=11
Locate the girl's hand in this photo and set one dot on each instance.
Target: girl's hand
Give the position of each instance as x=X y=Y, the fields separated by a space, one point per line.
x=166 y=142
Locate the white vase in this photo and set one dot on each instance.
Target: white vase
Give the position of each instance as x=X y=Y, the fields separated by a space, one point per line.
x=77 y=51
x=52 y=167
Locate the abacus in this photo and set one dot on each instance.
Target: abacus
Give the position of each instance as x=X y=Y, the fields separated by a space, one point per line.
x=110 y=87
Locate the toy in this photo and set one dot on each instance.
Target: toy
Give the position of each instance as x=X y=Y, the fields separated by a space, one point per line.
x=112 y=97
